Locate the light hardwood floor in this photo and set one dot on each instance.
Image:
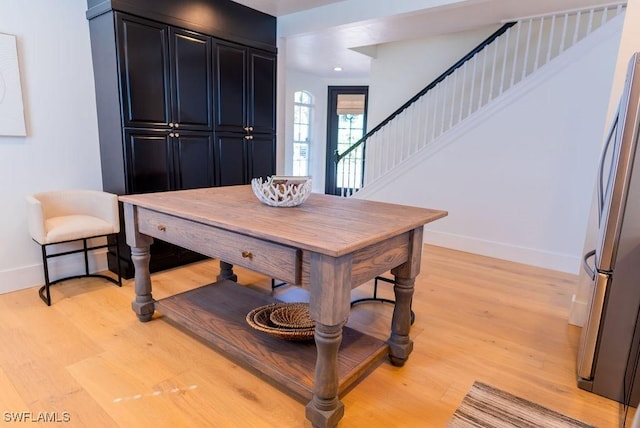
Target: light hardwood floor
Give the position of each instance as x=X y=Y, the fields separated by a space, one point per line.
x=477 y=318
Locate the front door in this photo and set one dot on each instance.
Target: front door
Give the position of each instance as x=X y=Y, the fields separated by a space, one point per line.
x=346 y=124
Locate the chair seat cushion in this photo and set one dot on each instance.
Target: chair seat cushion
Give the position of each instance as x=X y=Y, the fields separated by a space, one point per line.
x=72 y=227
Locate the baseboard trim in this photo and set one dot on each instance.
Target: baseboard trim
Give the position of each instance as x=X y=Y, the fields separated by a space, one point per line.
x=579 y=312
x=32 y=275
x=566 y=263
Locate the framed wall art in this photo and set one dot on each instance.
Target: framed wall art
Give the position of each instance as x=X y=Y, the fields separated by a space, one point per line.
x=11 y=108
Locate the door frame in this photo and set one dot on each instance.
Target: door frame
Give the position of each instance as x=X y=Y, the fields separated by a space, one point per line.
x=332 y=130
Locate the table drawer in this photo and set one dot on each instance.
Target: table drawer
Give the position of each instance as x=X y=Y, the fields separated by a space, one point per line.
x=271 y=259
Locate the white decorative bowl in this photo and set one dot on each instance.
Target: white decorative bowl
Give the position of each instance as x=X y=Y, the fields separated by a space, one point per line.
x=282 y=191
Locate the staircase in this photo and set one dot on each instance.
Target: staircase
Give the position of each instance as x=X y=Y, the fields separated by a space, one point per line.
x=497 y=65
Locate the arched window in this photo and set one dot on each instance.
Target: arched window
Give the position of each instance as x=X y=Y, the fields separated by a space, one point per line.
x=302 y=111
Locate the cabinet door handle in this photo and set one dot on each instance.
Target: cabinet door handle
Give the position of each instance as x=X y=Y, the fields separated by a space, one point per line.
x=162 y=228
x=248 y=137
x=170 y=125
x=247 y=255
x=177 y=135
x=176 y=125
x=250 y=128
x=171 y=134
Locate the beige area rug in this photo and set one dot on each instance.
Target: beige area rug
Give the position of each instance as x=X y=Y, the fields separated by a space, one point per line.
x=487 y=407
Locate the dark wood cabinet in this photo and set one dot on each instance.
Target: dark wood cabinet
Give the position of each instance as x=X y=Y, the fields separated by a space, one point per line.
x=144 y=71
x=158 y=160
x=166 y=75
x=191 y=80
x=231 y=87
x=148 y=160
x=261 y=159
x=231 y=157
x=183 y=102
x=245 y=89
x=262 y=92
x=245 y=118
x=193 y=154
x=243 y=157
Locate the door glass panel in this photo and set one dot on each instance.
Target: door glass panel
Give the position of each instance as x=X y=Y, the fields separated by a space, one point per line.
x=347 y=125
x=350 y=112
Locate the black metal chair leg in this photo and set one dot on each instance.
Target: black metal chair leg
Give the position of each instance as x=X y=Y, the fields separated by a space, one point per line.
x=118 y=260
x=375 y=297
x=86 y=257
x=44 y=292
x=274 y=285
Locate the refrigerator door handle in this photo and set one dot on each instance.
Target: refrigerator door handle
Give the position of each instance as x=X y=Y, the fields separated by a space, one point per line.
x=601 y=188
x=586 y=266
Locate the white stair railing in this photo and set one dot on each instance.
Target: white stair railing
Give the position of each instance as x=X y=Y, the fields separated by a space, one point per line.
x=521 y=50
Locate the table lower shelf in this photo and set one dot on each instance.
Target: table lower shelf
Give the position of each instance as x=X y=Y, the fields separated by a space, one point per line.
x=216 y=314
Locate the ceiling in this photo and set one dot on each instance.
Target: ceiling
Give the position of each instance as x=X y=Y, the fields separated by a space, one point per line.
x=352 y=41
x=284 y=7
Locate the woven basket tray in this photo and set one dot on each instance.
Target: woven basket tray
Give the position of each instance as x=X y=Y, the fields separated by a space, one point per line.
x=294 y=315
x=260 y=319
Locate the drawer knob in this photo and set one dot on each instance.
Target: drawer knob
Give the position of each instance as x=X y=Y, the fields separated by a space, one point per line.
x=247 y=255
x=162 y=228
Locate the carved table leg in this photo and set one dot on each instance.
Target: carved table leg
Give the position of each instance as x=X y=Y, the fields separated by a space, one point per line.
x=143 y=304
x=400 y=345
x=226 y=272
x=325 y=409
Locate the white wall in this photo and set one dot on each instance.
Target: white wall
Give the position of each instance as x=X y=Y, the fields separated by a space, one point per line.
x=518 y=183
x=401 y=70
x=318 y=87
x=61 y=147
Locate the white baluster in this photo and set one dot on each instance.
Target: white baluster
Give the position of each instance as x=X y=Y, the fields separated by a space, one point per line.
x=515 y=54
x=577 y=28
x=504 y=61
x=589 y=23
x=454 y=85
x=526 y=50
x=474 y=73
x=462 y=91
x=551 y=34
x=409 y=138
x=372 y=156
x=402 y=135
x=493 y=68
x=385 y=151
x=485 y=53
x=428 y=101
x=443 y=101
x=540 y=34
x=435 y=109
x=603 y=16
x=564 y=32
x=421 y=129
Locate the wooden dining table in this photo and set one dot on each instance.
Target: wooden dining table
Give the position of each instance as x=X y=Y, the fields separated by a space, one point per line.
x=328 y=246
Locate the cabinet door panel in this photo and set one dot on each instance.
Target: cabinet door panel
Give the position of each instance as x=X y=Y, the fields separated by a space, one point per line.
x=262 y=99
x=192 y=80
x=231 y=160
x=231 y=87
x=262 y=160
x=149 y=161
x=144 y=72
x=194 y=160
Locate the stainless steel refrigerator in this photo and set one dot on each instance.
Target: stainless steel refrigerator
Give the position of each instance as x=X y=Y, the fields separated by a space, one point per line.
x=608 y=355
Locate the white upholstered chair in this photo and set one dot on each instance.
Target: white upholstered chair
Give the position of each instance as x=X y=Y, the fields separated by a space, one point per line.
x=62 y=216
